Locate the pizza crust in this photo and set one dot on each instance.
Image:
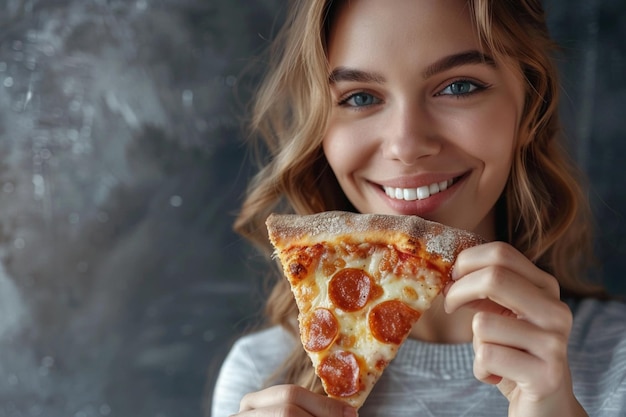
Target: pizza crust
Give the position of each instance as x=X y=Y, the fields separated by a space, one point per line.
x=404 y=231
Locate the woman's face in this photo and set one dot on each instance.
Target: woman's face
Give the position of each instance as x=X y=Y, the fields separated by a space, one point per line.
x=422 y=122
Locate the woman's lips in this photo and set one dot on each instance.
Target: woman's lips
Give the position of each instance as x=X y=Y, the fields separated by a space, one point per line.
x=413 y=197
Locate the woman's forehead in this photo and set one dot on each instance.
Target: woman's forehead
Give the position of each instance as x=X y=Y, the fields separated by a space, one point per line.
x=370 y=30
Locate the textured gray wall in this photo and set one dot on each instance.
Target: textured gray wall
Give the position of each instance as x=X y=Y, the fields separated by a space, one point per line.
x=121 y=283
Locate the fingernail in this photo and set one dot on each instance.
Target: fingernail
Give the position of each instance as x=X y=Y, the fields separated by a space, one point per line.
x=453 y=274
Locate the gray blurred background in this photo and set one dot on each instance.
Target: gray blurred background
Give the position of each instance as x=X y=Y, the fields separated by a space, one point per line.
x=121 y=283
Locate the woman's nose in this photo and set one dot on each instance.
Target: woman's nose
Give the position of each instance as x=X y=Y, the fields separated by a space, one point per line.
x=411 y=134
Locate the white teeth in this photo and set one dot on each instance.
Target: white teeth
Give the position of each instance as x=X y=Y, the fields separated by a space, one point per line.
x=420 y=193
x=423 y=192
x=410 y=193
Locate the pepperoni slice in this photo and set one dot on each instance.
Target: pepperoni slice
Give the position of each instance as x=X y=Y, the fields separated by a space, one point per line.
x=340 y=372
x=391 y=321
x=320 y=329
x=350 y=289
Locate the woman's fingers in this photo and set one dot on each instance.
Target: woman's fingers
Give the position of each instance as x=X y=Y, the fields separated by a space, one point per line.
x=517 y=350
x=537 y=378
x=292 y=401
x=496 y=277
x=482 y=289
x=494 y=363
x=525 y=336
x=499 y=254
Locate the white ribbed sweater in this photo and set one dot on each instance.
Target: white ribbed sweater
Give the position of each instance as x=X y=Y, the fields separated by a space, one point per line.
x=432 y=380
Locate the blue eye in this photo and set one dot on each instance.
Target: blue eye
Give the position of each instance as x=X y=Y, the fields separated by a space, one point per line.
x=460 y=88
x=359 y=100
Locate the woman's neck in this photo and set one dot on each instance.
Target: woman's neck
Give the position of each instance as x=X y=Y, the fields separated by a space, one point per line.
x=437 y=326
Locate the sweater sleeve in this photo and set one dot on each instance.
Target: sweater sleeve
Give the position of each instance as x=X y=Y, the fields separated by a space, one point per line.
x=251 y=361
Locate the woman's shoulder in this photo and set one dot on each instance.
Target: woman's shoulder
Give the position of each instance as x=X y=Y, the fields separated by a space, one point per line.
x=269 y=347
x=598 y=320
x=264 y=337
x=580 y=306
x=590 y=313
x=597 y=354
x=252 y=359
x=599 y=329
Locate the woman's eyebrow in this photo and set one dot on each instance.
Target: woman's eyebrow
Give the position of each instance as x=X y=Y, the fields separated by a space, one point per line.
x=354 y=75
x=451 y=61
x=457 y=60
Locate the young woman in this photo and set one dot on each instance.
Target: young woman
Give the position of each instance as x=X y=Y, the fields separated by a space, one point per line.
x=445 y=109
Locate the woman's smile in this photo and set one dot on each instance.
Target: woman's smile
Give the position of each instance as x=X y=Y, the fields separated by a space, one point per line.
x=417 y=196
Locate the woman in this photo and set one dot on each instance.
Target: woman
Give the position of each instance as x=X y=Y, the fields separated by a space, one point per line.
x=445 y=109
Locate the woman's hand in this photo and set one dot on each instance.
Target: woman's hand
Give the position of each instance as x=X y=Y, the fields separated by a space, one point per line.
x=292 y=401
x=520 y=329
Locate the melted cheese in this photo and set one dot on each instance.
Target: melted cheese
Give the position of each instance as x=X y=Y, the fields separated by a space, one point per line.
x=417 y=290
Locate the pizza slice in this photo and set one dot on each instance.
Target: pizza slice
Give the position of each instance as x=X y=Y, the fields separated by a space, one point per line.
x=360 y=282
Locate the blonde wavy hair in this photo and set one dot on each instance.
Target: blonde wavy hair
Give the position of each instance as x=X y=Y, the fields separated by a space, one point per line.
x=542 y=211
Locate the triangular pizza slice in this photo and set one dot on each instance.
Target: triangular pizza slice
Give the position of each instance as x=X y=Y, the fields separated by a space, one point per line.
x=360 y=282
